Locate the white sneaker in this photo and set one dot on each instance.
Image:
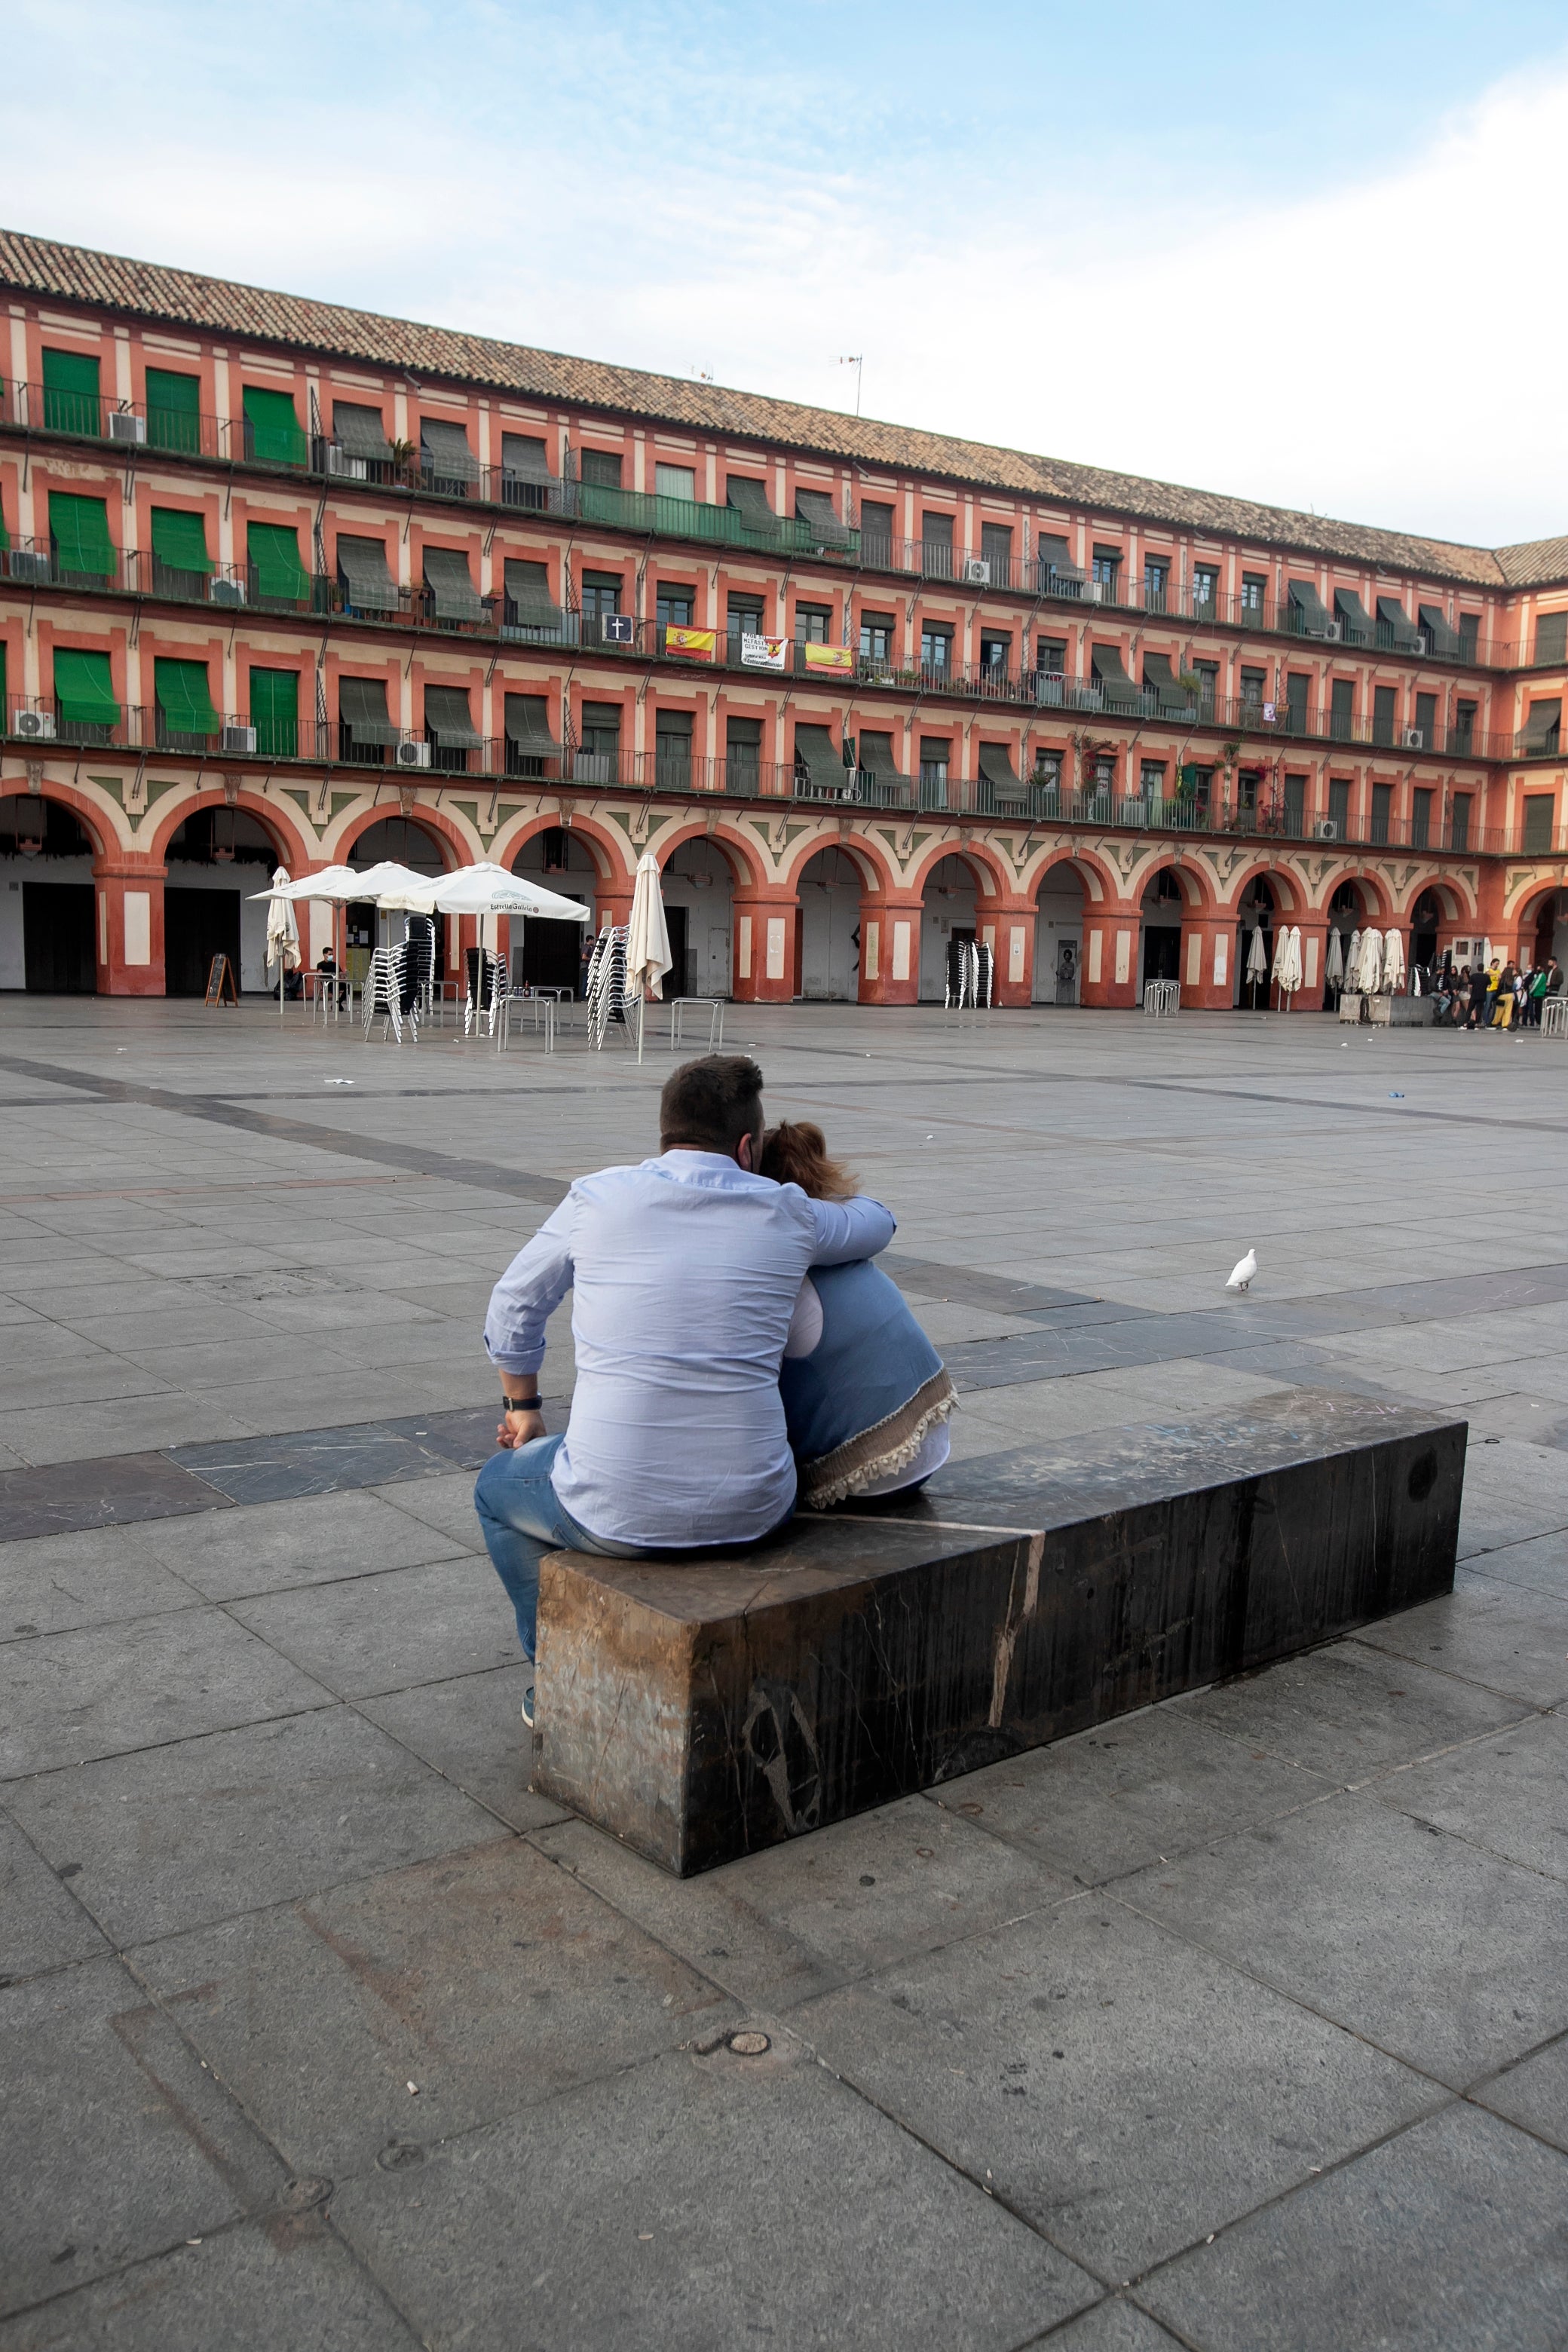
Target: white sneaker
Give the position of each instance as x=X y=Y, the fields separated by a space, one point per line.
x=528 y=1707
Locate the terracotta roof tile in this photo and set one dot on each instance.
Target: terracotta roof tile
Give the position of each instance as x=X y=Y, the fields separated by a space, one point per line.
x=1533 y=563
x=39 y=265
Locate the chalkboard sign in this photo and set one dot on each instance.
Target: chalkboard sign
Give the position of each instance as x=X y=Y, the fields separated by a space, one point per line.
x=221 y=989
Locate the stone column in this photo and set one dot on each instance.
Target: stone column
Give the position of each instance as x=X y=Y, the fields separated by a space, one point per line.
x=890 y=950
x=767 y=930
x=1013 y=947
x=1109 y=973
x=128 y=911
x=1209 y=953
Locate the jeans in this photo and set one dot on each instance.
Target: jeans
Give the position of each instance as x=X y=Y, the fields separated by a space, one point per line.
x=522 y=1519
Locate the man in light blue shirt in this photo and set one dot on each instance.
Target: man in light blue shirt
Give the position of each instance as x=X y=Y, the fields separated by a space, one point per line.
x=685 y=1271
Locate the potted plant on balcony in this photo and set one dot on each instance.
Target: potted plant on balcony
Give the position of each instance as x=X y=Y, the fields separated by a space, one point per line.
x=405 y=463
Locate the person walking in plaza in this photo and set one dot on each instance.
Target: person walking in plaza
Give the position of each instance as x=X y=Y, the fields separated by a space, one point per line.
x=865 y=1395
x=1479 y=990
x=685 y=1270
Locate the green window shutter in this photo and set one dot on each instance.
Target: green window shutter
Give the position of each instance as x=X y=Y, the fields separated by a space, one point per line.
x=4 y=534
x=174 y=410
x=4 y=706
x=274 y=552
x=84 y=689
x=70 y=393
x=275 y=712
x=79 y=530
x=180 y=541
x=271 y=429
x=185 y=706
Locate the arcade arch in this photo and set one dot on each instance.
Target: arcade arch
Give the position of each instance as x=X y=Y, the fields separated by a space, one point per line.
x=1060 y=903
x=217 y=859
x=399 y=841
x=1544 y=927
x=1162 y=907
x=46 y=916
x=830 y=886
x=697 y=883
x=951 y=894
x=545 y=954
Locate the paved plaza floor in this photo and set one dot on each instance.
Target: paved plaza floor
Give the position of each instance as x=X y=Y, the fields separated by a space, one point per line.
x=1240 y=2023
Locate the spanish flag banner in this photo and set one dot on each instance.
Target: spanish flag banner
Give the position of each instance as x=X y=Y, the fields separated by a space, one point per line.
x=695 y=644
x=838 y=657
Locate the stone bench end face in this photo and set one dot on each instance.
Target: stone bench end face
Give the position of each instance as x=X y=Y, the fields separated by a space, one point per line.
x=707 y=1711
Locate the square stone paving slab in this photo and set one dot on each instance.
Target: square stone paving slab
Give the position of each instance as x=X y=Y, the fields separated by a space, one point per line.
x=1450 y=2236
x=489 y=1980
x=382 y=1633
x=174 y=1835
x=1534 y=2094
x=674 y=2206
x=1126 y=2091
x=1432 y=1948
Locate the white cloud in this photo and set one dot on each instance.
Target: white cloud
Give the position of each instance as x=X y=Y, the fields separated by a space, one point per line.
x=1393 y=351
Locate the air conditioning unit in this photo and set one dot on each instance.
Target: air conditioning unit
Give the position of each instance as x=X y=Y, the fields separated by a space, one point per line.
x=414 y=755
x=976 y=571
x=123 y=426
x=226 y=592
x=1419 y=644
x=35 y=726
x=28 y=563
x=340 y=462
x=1412 y=739
x=241 y=739
x=1332 y=634
x=1326 y=828
x=1094 y=591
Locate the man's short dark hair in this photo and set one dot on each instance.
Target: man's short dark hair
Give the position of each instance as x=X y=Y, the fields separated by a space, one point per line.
x=710 y=1105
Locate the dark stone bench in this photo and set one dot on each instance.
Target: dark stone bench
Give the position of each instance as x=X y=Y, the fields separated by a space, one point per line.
x=702 y=1709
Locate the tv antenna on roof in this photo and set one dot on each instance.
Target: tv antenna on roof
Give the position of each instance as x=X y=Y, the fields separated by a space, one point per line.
x=856 y=360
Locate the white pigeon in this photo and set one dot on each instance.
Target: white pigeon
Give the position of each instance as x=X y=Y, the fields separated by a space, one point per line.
x=1242 y=1273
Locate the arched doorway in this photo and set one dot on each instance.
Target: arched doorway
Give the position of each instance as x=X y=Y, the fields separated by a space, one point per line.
x=217 y=860
x=1160 y=955
x=553 y=955
x=1255 y=919
x=698 y=889
x=1058 y=935
x=47 y=943
x=1426 y=917
x=949 y=915
x=830 y=890
x=1348 y=914
x=399 y=841
x=1545 y=929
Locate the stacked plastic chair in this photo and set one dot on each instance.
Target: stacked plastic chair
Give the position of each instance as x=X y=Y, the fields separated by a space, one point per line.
x=608 y=982
x=485 y=986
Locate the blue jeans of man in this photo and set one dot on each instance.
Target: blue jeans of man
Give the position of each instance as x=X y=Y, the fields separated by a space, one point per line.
x=522 y=1519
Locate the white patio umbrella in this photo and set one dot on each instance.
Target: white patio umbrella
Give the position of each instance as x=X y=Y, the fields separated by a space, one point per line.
x=1392 y=963
x=1334 y=964
x=647 y=940
x=282 y=930
x=1370 y=973
x=1288 y=961
x=1353 y=963
x=1256 y=955
x=334 y=885
x=397 y=889
x=490 y=890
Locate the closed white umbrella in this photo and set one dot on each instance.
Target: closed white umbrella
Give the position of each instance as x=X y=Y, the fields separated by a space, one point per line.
x=1353 y=963
x=1256 y=955
x=647 y=940
x=1334 y=966
x=282 y=932
x=1370 y=973
x=1288 y=961
x=1392 y=963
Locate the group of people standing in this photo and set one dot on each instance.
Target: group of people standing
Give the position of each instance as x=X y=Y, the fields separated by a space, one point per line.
x=1499 y=995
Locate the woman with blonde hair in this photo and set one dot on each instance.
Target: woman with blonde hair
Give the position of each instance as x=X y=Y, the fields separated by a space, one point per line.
x=853 y=1338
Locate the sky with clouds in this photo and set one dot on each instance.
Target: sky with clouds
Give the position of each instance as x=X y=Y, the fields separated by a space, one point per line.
x=1306 y=254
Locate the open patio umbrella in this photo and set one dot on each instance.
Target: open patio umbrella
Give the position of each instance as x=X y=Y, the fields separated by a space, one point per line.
x=397 y=889
x=489 y=889
x=334 y=885
x=647 y=940
x=1392 y=963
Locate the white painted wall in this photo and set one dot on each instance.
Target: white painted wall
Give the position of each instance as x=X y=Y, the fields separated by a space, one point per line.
x=697 y=877
x=943 y=915
x=1058 y=920
x=830 y=916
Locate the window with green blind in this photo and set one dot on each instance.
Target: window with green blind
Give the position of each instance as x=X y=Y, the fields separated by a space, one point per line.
x=185 y=713
x=84 y=689
x=78 y=535
x=4 y=534
x=275 y=712
x=174 y=410
x=274 y=552
x=271 y=429
x=70 y=393
x=180 y=560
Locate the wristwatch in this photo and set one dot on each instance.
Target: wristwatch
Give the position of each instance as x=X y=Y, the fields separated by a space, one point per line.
x=519 y=1404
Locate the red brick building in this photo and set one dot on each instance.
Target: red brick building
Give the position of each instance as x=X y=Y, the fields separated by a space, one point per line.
x=282 y=580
